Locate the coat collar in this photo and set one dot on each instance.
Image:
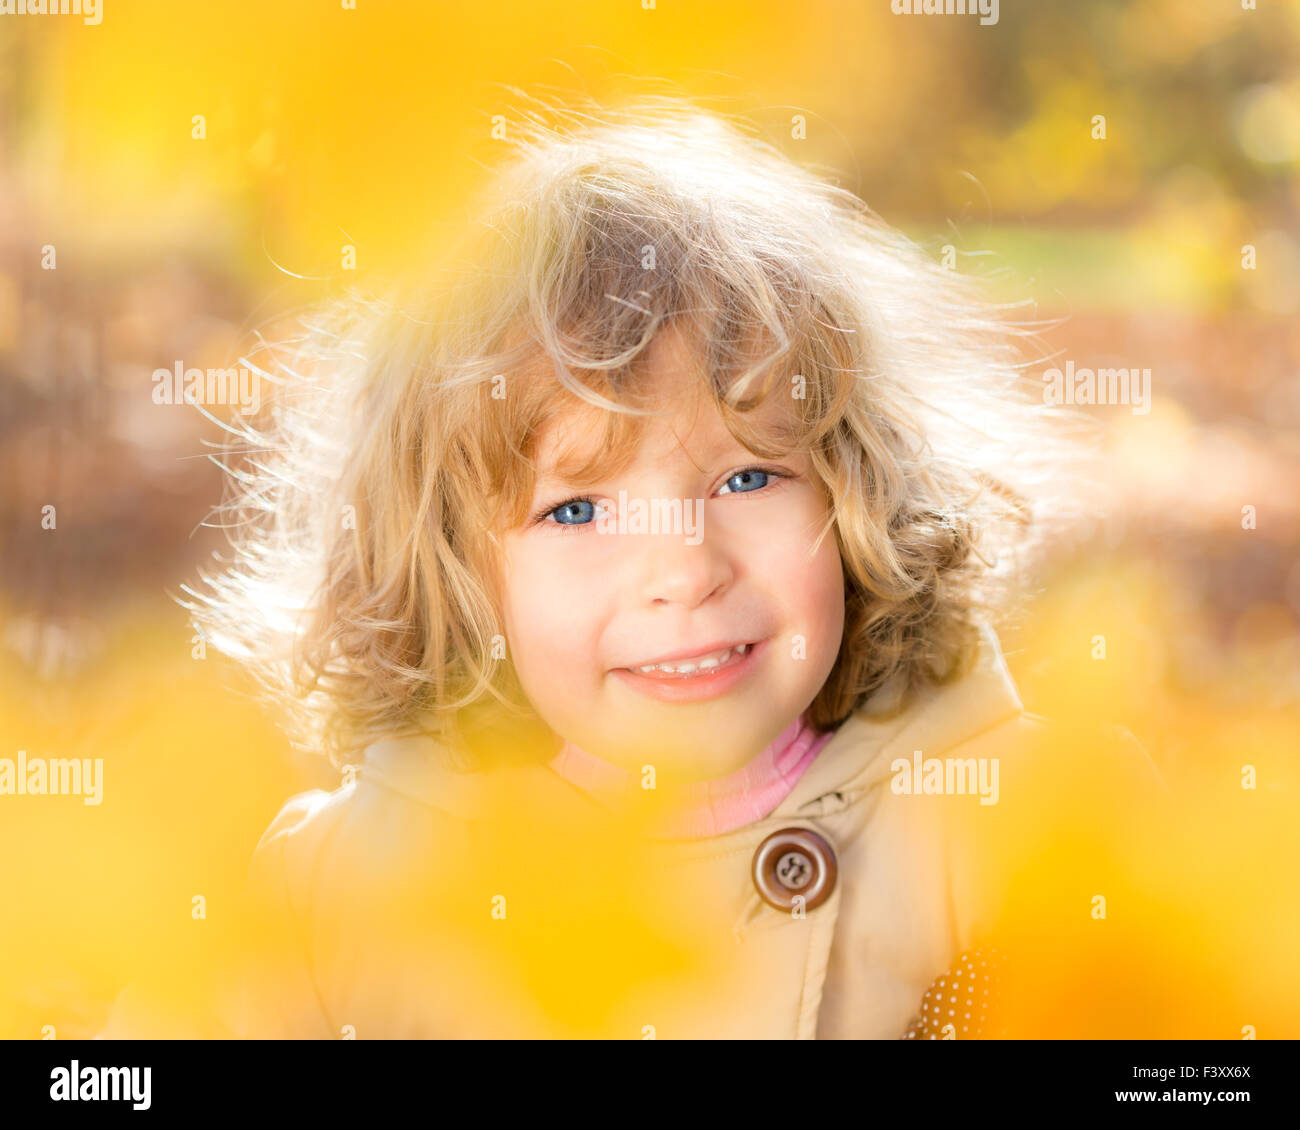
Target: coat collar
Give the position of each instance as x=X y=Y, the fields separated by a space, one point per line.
x=859 y=755
x=939 y=717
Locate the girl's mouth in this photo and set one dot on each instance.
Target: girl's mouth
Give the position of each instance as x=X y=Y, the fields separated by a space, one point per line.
x=696 y=666
x=696 y=677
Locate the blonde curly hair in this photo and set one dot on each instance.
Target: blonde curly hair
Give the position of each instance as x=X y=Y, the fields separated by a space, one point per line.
x=366 y=502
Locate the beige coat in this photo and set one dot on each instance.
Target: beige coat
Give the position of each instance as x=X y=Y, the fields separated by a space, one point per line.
x=908 y=897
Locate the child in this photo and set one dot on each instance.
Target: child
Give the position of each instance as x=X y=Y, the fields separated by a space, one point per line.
x=623 y=564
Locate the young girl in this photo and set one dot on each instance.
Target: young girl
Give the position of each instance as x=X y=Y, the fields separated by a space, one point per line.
x=627 y=562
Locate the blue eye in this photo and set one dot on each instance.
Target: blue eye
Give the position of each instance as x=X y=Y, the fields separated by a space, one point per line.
x=575 y=512
x=752 y=479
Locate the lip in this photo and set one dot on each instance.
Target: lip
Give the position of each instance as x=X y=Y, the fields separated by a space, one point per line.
x=678 y=656
x=700 y=687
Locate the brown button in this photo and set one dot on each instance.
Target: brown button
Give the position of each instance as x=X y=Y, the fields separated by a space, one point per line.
x=791 y=864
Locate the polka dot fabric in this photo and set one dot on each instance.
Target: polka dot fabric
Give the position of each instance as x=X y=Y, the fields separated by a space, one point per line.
x=961 y=1004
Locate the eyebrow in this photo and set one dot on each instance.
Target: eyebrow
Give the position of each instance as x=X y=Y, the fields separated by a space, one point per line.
x=550 y=475
x=784 y=430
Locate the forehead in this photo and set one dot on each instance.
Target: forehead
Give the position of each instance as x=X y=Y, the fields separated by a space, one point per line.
x=672 y=384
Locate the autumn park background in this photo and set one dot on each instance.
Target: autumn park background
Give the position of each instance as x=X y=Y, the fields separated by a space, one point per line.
x=1171 y=243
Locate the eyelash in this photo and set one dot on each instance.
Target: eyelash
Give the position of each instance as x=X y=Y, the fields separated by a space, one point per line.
x=540 y=517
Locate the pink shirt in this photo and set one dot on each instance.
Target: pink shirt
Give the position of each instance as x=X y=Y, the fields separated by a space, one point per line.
x=716 y=806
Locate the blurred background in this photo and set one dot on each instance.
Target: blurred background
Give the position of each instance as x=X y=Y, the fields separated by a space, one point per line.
x=176 y=178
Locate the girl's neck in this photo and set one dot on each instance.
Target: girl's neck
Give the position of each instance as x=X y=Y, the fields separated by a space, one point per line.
x=704 y=808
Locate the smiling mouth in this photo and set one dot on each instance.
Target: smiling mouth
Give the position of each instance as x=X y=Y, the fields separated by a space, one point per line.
x=697 y=666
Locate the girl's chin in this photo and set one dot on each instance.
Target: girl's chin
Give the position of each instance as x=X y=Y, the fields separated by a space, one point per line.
x=684 y=753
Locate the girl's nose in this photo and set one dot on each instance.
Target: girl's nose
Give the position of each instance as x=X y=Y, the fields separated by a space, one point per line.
x=677 y=572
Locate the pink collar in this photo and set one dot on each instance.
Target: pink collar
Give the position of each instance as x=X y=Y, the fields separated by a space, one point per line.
x=711 y=807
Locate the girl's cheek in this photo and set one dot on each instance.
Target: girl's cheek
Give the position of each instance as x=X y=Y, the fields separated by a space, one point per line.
x=531 y=600
x=568 y=584
x=815 y=581
x=554 y=600
x=786 y=536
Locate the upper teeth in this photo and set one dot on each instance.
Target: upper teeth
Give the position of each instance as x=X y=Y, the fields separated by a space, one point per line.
x=685 y=667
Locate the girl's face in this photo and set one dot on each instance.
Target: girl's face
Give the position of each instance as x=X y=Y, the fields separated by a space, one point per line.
x=699 y=556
